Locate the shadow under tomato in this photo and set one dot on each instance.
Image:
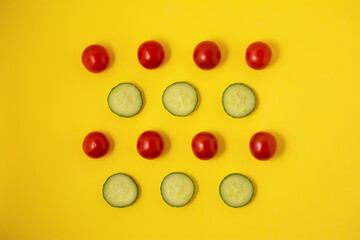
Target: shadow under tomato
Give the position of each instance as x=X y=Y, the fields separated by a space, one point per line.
x=221 y=144
x=167 y=143
x=275 y=51
x=111 y=142
x=280 y=144
x=166 y=49
x=223 y=49
x=111 y=54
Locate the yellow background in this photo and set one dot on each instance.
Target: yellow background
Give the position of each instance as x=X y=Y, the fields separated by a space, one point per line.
x=308 y=98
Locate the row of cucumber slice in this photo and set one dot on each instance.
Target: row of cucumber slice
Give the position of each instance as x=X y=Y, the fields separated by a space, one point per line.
x=177 y=189
x=181 y=99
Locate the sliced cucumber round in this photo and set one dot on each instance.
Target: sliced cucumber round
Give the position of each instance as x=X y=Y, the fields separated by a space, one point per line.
x=120 y=190
x=238 y=100
x=180 y=99
x=125 y=100
x=177 y=189
x=236 y=190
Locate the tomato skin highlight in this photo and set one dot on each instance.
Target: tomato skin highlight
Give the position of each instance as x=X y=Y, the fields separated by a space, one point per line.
x=95 y=145
x=95 y=58
x=207 y=55
x=263 y=145
x=204 y=145
x=151 y=54
x=150 y=145
x=258 y=55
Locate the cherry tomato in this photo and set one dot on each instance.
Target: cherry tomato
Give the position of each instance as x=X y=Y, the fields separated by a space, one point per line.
x=258 y=55
x=207 y=55
x=95 y=145
x=150 y=144
x=263 y=145
x=151 y=54
x=95 y=58
x=204 y=145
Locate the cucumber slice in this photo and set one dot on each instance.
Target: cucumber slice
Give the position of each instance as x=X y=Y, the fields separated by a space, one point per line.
x=120 y=190
x=125 y=100
x=236 y=190
x=238 y=100
x=177 y=189
x=180 y=99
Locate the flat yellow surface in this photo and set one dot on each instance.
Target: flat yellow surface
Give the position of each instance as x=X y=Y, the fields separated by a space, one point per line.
x=308 y=98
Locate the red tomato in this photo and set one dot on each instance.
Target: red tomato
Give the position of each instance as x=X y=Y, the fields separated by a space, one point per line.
x=263 y=145
x=258 y=55
x=151 y=54
x=204 y=145
x=207 y=55
x=95 y=145
x=95 y=58
x=150 y=145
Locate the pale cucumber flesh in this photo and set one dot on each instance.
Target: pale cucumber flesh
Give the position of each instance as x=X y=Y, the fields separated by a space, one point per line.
x=236 y=190
x=120 y=190
x=180 y=99
x=125 y=100
x=238 y=100
x=177 y=189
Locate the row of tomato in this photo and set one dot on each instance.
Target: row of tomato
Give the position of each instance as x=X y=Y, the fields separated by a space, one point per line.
x=150 y=145
x=151 y=54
